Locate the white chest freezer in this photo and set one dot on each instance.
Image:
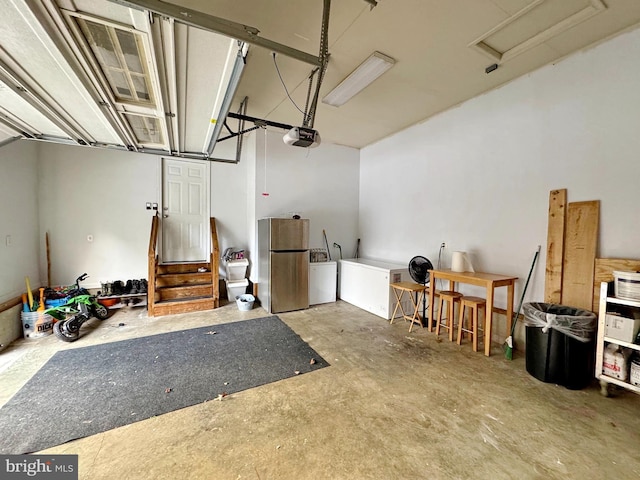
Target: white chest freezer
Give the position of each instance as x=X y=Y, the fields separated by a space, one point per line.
x=365 y=284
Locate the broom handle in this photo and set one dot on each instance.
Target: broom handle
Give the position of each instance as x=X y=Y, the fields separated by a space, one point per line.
x=324 y=234
x=524 y=290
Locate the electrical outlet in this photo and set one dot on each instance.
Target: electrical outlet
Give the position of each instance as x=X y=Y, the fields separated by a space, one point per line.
x=443 y=245
x=148 y=205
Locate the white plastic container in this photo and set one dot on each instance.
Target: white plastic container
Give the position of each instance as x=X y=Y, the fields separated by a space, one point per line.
x=36 y=324
x=245 y=301
x=627 y=285
x=235 y=289
x=237 y=269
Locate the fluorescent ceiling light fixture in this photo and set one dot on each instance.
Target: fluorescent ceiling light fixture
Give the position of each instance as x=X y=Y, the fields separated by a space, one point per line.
x=359 y=79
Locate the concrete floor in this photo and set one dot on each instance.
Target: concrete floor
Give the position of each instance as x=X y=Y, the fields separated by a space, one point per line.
x=392 y=405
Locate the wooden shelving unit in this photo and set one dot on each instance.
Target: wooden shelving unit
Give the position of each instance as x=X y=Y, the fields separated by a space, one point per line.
x=131 y=296
x=602 y=341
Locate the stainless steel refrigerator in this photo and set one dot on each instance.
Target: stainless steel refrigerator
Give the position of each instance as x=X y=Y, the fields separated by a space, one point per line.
x=283 y=255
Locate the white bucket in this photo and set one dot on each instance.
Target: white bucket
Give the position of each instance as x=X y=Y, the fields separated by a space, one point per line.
x=36 y=324
x=245 y=301
x=627 y=285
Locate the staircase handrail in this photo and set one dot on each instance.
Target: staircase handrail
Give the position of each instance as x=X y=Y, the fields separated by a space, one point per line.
x=215 y=263
x=152 y=264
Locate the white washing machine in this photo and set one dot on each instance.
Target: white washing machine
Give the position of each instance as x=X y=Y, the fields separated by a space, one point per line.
x=322 y=282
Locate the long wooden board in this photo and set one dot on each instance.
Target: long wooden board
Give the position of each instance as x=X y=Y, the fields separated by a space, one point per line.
x=604 y=273
x=46 y=240
x=581 y=240
x=555 y=246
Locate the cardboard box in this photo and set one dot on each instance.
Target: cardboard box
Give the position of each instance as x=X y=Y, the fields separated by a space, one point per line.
x=621 y=328
x=616 y=362
x=634 y=372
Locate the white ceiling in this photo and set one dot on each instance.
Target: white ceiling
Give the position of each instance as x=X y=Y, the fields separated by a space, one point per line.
x=435 y=68
x=437 y=65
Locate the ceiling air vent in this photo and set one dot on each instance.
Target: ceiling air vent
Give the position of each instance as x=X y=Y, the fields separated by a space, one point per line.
x=533 y=25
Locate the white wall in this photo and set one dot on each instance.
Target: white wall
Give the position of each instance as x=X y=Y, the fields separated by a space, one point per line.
x=103 y=193
x=320 y=184
x=18 y=218
x=230 y=202
x=478 y=176
x=85 y=191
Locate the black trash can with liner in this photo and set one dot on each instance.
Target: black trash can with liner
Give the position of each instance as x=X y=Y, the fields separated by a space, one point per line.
x=560 y=346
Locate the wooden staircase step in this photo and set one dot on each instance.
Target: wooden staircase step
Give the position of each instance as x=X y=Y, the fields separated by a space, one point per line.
x=182 y=268
x=186 y=286
x=177 y=279
x=185 y=291
x=184 y=305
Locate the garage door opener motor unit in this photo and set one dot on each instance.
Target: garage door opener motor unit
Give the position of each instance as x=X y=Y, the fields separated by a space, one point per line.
x=302 y=137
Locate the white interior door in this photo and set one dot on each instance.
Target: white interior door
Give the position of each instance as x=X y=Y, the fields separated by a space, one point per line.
x=185 y=211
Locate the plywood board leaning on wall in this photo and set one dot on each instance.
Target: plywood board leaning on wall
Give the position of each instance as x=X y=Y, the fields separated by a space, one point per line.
x=555 y=246
x=604 y=273
x=581 y=238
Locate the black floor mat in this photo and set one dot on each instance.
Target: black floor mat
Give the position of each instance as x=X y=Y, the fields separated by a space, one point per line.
x=84 y=391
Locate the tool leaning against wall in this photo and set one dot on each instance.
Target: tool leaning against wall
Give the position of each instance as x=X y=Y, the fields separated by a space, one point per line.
x=508 y=344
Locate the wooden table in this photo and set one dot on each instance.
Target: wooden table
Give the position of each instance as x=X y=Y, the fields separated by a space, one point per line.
x=490 y=281
x=399 y=289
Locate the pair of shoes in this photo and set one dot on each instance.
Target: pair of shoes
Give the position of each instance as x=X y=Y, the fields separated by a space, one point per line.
x=131 y=286
x=118 y=288
x=136 y=286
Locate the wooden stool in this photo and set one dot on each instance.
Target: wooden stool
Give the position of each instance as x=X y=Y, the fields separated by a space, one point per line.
x=399 y=290
x=451 y=297
x=475 y=304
